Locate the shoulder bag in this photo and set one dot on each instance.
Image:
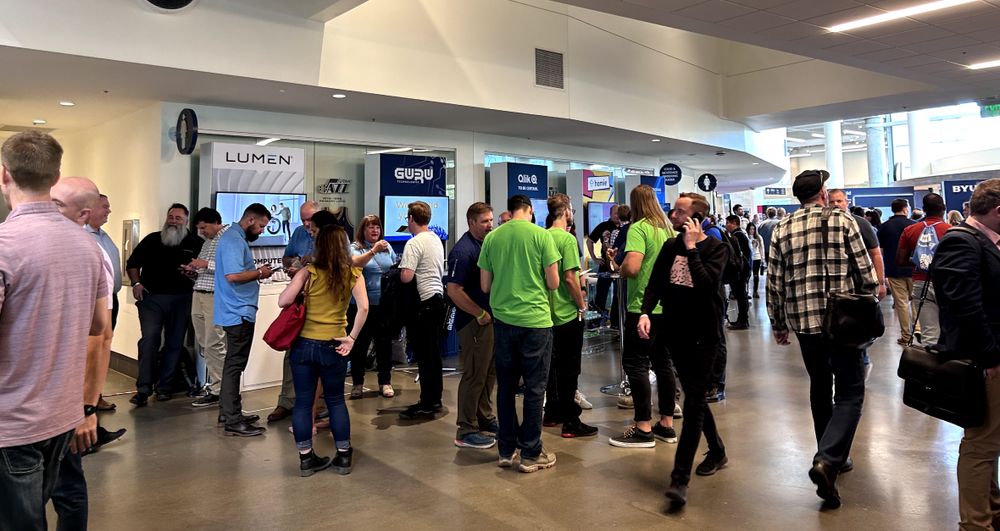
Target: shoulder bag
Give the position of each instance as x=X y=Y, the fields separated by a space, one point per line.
x=288 y=325
x=943 y=385
x=853 y=320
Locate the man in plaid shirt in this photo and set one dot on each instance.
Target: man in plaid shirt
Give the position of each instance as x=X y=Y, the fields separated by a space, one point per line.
x=803 y=271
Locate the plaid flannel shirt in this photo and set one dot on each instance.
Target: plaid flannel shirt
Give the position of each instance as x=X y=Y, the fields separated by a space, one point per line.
x=206 y=275
x=797 y=289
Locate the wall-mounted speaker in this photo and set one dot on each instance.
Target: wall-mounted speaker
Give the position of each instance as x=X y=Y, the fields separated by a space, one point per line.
x=169 y=6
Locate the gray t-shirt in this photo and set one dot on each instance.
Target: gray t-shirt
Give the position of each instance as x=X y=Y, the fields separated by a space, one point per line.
x=424 y=255
x=868 y=234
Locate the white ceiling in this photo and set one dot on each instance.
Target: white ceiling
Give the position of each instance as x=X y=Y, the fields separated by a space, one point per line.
x=104 y=89
x=933 y=48
x=318 y=10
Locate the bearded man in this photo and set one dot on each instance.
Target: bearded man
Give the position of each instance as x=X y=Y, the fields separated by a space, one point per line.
x=162 y=291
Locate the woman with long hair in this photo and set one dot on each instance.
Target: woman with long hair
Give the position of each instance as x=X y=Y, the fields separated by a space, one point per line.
x=955 y=218
x=375 y=256
x=321 y=350
x=756 y=257
x=646 y=235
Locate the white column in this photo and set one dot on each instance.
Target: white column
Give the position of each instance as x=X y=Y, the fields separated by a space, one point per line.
x=834 y=154
x=878 y=174
x=916 y=131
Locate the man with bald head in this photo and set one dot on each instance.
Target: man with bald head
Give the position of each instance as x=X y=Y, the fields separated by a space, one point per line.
x=298 y=254
x=78 y=199
x=48 y=268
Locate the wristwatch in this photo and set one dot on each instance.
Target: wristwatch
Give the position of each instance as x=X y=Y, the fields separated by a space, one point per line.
x=89 y=410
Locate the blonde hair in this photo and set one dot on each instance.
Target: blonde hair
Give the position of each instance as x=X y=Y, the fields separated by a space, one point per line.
x=645 y=206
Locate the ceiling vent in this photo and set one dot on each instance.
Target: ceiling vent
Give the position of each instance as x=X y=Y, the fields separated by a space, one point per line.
x=548 y=69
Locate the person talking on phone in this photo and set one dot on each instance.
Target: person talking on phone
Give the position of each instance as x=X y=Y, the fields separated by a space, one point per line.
x=686 y=282
x=803 y=272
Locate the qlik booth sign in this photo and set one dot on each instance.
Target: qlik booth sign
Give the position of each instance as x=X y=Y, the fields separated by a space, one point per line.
x=404 y=179
x=510 y=178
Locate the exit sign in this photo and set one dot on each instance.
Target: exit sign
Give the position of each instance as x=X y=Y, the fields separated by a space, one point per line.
x=989 y=111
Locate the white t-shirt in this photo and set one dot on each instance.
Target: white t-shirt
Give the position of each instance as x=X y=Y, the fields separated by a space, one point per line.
x=424 y=255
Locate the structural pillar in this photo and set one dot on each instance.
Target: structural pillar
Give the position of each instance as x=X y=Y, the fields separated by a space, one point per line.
x=834 y=154
x=916 y=130
x=878 y=173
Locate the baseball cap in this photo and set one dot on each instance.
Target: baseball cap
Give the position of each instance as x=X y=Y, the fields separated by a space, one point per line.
x=808 y=183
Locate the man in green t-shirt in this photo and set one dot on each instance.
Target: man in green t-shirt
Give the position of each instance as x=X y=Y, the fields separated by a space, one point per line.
x=568 y=307
x=646 y=236
x=519 y=266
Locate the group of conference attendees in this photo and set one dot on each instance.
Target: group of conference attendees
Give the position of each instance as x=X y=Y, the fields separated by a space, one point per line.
x=519 y=308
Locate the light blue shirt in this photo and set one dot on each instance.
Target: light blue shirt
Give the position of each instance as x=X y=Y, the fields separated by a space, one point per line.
x=234 y=303
x=108 y=245
x=300 y=244
x=373 y=270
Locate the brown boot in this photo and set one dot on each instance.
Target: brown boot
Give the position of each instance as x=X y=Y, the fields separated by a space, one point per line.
x=279 y=413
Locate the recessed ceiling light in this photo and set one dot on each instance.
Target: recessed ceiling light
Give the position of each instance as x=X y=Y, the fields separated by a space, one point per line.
x=899 y=13
x=66 y=103
x=281 y=91
x=799 y=155
x=756 y=164
x=267 y=141
x=987 y=64
x=339 y=96
x=39 y=122
x=654 y=140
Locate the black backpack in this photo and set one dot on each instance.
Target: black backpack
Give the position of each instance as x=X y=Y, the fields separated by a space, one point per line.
x=734 y=265
x=398 y=301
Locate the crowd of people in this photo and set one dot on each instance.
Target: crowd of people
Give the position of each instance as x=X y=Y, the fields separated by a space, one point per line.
x=514 y=294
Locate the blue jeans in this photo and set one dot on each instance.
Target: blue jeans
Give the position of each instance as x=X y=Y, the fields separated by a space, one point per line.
x=28 y=474
x=69 y=497
x=311 y=359
x=521 y=353
x=836 y=411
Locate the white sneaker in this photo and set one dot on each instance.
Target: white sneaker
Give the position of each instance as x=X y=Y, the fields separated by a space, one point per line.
x=543 y=461
x=626 y=402
x=581 y=400
x=652 y=377
x=678 y=413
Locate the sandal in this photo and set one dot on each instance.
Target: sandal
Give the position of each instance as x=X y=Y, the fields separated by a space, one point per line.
x=387 y=391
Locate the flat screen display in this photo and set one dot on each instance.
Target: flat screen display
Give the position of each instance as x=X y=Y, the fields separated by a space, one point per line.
x=596 y=213
x=284 y=214
x=541 y=208
x=394 y=216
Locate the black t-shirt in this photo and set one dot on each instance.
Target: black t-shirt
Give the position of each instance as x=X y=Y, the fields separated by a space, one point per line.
x=463 y=269
x=602 y=233
x=158 y=264
x=868 y=234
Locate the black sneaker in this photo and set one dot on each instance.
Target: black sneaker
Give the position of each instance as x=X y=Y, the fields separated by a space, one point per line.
x=712 y=464
x=550 y=421
x=677 y=494
x=139 y=399
x=207 y=400
x=575 y=429
x=633 y=438
x=664 y=433
x=163 y=396
x=419 y=411
x=342 y=462
x=311 y=463
x=715 y=395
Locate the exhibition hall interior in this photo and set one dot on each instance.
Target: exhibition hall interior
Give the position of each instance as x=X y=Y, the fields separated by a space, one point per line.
x=366 y=107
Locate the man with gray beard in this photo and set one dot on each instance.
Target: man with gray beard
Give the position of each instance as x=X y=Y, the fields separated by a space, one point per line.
x=162 y=292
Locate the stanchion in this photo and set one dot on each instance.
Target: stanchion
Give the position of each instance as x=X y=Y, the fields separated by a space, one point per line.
x=621 y=388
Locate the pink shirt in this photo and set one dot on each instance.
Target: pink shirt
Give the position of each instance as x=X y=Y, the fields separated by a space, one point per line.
x=988 y=232
x=51 y=273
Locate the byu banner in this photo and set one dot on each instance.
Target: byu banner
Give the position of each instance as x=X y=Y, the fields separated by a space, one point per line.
x=956 y=193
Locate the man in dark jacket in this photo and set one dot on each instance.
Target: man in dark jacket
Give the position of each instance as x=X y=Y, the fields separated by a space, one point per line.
x=689 y=269
x=741 y=245
x=899 y=278
x=966 y=278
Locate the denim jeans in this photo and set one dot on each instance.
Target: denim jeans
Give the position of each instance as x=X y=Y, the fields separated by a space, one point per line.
x=311 y=359
x=167 y=315
x=521 y=353
x=69 y=497
x=564 y=372
x=28 y=473
x=694 y=361
x=641 y=355
x=239 y=339
x=836 y=411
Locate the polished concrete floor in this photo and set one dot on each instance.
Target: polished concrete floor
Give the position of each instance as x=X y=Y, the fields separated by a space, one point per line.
x=175 y=470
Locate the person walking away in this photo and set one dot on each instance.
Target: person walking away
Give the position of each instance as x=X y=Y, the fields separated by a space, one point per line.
x=898 y=277
x=921 y=239
x=741 y=245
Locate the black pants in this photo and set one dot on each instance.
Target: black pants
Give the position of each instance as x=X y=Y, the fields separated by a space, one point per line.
x=739 y=289
x=359 y=353
x=694 y=361
x=114 y=311
x=638 y=357
x=167 y=316
x=721 y=355
x=836 y=395
x=424 y=333
x=564 y=372
x=757 y=270
x=69 y=498
x=239 y=339
x=603 y=286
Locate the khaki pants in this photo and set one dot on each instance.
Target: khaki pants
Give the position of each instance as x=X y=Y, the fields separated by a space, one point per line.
x=978 y=495
x=211 y=339
x=901 y=288
x=479 y=376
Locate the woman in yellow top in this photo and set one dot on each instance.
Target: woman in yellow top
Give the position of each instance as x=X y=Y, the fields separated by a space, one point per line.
x=322 y=348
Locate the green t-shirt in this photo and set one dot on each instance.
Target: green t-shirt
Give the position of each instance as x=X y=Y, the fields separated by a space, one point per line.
x=563 y=306
x=517 y=253
x=644 y=238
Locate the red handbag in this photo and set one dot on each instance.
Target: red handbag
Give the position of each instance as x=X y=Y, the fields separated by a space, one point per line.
x=286 y=327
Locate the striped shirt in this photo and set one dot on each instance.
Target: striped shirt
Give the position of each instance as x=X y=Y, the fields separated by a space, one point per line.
x=51 y=274
x=206 y=276
x=801 y=272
